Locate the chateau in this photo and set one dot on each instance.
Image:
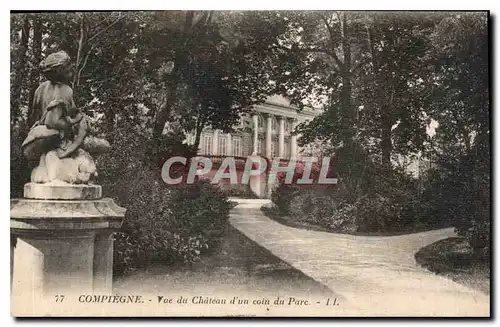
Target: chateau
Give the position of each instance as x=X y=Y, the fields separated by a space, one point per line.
x=267 y=132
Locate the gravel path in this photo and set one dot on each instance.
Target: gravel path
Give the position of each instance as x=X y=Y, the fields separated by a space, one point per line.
x=374 y=276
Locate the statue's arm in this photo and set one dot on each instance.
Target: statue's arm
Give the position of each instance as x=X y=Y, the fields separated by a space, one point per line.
x=36 y=107
x=78 y=141
x=56 y=120
x=71 y=107
x=75 y=120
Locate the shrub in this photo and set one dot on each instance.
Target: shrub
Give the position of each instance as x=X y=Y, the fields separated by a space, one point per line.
x=239 y=191
x=474 y=221
x=463 y=194
x=378 y=213
x=283 y=195
x=458 y=192
x=478 y=237
x=317 y=205
x=163 y=224
x=351 y=206
x=20 y=168
x=200 y=209
x=329 y=212
x=169 y=225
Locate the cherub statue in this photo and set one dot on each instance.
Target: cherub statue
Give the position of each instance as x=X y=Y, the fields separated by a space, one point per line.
x=59 y=137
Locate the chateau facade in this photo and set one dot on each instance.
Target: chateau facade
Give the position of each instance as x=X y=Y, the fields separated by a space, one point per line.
x=267 y=132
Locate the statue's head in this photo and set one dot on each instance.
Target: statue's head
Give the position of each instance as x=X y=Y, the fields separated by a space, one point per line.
x=57 y=67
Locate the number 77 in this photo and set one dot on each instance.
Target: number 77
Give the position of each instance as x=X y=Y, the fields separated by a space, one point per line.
x=59 y=298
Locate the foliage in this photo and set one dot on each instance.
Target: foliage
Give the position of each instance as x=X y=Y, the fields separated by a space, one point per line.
x=152 y=68
x=378 y=202
x=179 y=225
x=365 y=68
x=460 y=191
x=404 y=71
x=460 y=99
x=283 y=195
x=162 y=224
x=20 y=168
x=201 y=208
x=239 y=191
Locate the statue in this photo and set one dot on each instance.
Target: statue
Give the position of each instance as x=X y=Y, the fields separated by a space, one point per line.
x=60 y=137
x=63 y=226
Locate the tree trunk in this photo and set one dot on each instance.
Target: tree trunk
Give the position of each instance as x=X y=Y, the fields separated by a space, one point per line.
x=181 y=53
x=79 y=53
x=386 y=143
x=197 y=139
x=165 y=111
x=383 y=105
x=346 y=91
x=20 y=69
x=35 y=74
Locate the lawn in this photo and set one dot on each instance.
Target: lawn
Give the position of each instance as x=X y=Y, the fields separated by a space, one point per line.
x=455 y=259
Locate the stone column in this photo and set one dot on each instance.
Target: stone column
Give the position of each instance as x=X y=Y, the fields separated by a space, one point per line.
x=103 y=261
x=215 y=143
x=269 y=136
x=255 y=119
x=229 y=145
x=281 y=142
x=293 y=141
x=63 y=246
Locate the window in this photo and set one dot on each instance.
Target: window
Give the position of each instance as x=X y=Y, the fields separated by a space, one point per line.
x=274 y=149
x=261 y=122
x=288 y=126
x=273 y=123
x=237 y=147
x=222 y=148
x=260 y=146
x=206 y=145
x=287 y=150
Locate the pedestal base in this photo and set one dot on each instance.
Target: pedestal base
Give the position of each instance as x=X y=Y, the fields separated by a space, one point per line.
x=62 y=191
x=62 y=247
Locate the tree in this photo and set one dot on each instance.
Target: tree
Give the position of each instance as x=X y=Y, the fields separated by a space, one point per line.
x=460 y=82
x=37 y=58
x=392 y=88
x=20 y=25
x=460 y=103
x=227 y=68
x=371 y=78
x=150 y=68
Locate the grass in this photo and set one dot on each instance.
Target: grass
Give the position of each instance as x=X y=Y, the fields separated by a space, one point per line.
x=237 y=266
x=455 y=259
x=297 y=222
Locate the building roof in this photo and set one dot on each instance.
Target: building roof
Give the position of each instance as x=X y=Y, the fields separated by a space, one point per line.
x=280 y=105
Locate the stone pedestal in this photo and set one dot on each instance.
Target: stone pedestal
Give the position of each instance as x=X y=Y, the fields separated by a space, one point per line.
x=63 y=242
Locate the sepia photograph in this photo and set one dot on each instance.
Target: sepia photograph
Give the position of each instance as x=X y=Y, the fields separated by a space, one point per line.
x=250 y=163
